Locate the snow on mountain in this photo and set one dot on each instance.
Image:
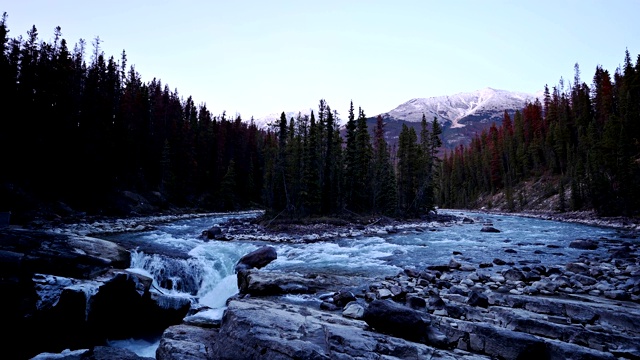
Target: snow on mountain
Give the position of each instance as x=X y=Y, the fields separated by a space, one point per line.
x=267 y=121
x=453 y=108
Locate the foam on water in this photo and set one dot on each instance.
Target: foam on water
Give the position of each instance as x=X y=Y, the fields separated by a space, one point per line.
x=206 y=269
x=141 y=347
x=217 y=297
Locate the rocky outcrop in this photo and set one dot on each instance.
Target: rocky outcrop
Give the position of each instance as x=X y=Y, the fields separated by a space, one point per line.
x=73 y=292
x=587 y=309
x=96 y=353
x=257 y=328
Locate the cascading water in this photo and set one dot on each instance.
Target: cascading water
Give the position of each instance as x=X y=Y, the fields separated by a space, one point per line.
x=181 y=263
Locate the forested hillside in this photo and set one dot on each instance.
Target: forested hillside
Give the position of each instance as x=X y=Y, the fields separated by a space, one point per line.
x=88 y=136
x=587 y=137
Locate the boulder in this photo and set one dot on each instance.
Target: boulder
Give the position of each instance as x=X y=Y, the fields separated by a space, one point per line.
x=186 y=342
x=257 y=328
x=213 y=232
x=513 y=275
x=353 y=310
x=391 y=318
x=478 y=299
x=273 y=282
x=257 y=259
x=343 y=297
x=584 y=244
x=489 y=229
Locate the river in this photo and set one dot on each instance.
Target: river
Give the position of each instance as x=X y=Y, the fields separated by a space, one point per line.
x=182 y=263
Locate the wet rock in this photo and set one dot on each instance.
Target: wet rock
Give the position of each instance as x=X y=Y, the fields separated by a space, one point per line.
x=258 y=329
x=186 y=342
x=584 y=280
x=584 y=244
x=391 y=318
x=343 y=297
x=257 y=259
x=478 y=299
x=213 y=232
x=497 y=262
x=263 y=283
x=353 y=310
x=436 y=303
x=513 y=275
x=416 y=302
x=617 y=295
x=325 y=305
x=489 y=229
x=578 y=268
x=383 y=294
x=411 y=272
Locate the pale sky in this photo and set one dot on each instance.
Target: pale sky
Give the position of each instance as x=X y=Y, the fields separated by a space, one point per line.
x=263 y=57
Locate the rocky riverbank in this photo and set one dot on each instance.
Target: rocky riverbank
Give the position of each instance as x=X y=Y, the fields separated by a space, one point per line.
x=62 y=291
x=587 y=308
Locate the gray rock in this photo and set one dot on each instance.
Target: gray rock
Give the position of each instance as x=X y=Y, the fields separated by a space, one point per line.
x=257 y=259
x=578 y=268
x=584 y=244
x=187 y=342
x=260 y=329
x=353 y=310
x=388 y=317
x=513 y=275
x=478 y=299
x=416 y=302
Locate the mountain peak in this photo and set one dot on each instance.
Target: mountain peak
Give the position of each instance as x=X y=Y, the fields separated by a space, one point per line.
x=453 y=108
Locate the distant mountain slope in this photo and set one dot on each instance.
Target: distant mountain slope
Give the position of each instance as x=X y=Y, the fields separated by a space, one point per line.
x=462 y=115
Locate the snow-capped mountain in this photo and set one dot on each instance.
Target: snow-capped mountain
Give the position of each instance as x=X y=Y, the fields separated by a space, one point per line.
x=462 y=115
x=273 y=119
x=453 y=109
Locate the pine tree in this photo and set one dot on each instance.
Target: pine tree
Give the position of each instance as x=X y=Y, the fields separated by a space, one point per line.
x=383 y=180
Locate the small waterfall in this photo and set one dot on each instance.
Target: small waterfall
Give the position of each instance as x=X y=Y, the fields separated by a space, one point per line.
x=173 y=275
x=207 y=273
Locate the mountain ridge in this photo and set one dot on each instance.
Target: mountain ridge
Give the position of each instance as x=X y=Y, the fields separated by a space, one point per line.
x=462 y=115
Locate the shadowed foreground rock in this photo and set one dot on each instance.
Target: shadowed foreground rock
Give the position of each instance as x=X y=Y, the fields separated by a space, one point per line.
x=72 y=292
x=255 y=328
x=394 y=319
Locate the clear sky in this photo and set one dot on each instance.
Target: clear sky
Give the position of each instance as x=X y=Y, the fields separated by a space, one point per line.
x=262 y=57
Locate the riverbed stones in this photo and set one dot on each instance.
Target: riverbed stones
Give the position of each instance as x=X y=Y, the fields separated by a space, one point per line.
x=566 y=323
x=584 y=244
x=353 y=310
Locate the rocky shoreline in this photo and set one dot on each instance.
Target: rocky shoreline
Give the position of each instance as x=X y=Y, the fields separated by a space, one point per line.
x=587 y=309
x=584 y=309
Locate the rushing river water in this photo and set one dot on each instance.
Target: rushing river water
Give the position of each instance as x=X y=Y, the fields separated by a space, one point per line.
x=183 y=264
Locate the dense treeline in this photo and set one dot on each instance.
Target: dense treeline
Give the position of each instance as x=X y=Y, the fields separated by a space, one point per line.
x=82 y=133
x=587 y=137
x=311 y=170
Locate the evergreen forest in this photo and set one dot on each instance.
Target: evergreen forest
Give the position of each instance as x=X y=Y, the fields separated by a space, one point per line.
x=79 y=132
x=588 y=137
x=85 y=132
